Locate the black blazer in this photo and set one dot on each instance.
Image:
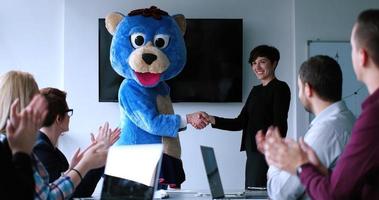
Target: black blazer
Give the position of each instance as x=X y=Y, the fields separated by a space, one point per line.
x=56 y=163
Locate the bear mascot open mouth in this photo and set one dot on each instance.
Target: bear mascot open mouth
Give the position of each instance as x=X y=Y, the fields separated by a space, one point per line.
x=148 y=79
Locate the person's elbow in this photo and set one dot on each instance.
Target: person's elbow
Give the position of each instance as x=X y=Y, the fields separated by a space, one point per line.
x=280 y=195
x=279 y=192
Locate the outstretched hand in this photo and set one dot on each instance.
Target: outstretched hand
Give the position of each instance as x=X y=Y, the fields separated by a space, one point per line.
x=198 y=120
x=22 y=126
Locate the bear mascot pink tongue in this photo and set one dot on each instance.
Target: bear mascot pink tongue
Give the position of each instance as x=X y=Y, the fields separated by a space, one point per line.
x=147 y=49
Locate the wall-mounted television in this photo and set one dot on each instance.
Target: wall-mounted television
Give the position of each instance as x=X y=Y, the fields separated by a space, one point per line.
x=213 y=72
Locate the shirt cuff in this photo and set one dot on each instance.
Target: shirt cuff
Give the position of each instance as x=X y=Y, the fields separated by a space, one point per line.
x=306 y=170
x=183 y=123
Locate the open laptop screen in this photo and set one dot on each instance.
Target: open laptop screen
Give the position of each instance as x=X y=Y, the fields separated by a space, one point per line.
x=131 y=172
x=213 y=174
x=214 y=179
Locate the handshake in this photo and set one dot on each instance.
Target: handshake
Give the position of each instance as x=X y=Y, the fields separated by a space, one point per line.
x=200 y=120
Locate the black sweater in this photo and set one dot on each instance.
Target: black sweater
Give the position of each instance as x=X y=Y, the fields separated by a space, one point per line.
x=266 y=105
x=16 y=180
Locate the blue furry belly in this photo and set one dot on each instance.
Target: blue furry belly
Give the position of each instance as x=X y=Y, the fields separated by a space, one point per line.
x=131 y=134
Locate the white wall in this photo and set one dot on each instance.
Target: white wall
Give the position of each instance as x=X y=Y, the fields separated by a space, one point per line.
x=330 y=20
x=31 y=39
x=57 y=41
x=81 y=75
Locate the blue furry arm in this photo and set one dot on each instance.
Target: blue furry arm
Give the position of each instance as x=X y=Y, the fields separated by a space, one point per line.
x=139 y=105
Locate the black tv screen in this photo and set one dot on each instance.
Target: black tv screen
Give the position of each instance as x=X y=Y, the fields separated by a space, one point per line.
x=213 y=72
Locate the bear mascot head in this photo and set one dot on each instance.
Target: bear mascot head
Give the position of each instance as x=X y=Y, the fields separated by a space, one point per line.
x=147 y=45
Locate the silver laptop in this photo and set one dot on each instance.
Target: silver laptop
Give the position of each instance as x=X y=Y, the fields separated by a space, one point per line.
x=132 y=172
x=214 y=180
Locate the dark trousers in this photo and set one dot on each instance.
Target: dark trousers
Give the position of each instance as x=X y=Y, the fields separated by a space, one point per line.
x=256 y=170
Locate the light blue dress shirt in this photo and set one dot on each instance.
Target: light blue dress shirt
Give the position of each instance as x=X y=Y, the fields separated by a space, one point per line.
x=328 y=134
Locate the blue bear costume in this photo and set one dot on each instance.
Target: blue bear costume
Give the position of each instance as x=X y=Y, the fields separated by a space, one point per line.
x=147 y=49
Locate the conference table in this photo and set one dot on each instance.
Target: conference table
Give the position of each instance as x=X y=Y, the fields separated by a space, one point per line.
x=191 y=195
x=188 y=195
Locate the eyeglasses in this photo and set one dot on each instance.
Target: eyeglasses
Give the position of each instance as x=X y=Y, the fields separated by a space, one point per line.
x=69 y=112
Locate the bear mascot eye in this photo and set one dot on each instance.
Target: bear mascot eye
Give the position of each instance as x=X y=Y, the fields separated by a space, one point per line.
x=161 y=41
x=137 y=40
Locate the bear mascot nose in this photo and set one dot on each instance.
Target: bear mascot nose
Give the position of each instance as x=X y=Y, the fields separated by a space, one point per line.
x=149 y=58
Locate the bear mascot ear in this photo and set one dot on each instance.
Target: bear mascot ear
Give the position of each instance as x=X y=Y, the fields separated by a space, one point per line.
x=112 y=20
x=181 y=21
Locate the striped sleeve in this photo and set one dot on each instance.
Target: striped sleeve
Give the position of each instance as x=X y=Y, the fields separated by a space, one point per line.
x=60 y=189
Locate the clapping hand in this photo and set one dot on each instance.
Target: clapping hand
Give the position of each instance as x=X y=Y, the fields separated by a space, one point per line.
x=285 y=154
x=22 y=126
x=260 y=139
x=76 y=158
x=93 y=157
x=95 y=154
x=106 y=135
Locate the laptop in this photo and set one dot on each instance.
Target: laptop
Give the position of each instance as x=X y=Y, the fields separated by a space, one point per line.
x=131 y=172
x=214 y=180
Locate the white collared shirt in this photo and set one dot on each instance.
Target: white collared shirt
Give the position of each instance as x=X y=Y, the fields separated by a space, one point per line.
x=328 y=134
